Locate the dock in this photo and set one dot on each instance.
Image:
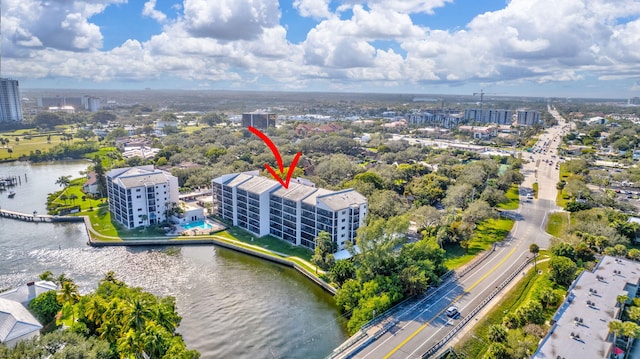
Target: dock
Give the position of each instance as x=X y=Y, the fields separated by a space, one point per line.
x=9 y=181
x=35 y=217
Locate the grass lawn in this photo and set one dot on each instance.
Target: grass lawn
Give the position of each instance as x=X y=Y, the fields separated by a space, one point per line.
x=267 y=242
x=561 y=199
x=526 y=289
x=535 y=189
x=513 y=196
x=26 y=146
x=558 y=224
x=487 y=233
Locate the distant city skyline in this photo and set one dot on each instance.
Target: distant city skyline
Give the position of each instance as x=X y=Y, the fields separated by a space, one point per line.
x=570 y=48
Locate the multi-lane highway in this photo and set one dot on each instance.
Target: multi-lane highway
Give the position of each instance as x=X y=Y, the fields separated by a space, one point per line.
x=411 y=332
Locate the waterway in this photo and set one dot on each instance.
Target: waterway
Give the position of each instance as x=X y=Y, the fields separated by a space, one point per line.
x=232 y=305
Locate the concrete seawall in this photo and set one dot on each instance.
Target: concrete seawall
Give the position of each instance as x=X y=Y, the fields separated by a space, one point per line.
x=160 y=241
x=220 y=243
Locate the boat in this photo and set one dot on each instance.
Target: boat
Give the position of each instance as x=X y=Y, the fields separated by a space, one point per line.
x=12 y=194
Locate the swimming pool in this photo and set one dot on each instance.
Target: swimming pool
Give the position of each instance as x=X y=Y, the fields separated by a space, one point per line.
x=197 y=225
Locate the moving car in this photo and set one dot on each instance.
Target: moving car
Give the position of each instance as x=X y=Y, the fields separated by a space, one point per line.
x=453 y=312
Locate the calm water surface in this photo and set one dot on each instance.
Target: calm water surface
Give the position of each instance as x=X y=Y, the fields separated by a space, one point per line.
x=233 y=305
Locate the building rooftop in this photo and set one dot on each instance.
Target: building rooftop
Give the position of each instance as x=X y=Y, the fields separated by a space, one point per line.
x=295 y=192
x=259 y=185
x=142 y=179
x=238 y=179
x=342 y=199
x=15 y=320
x=24 y=295
x=581 y=328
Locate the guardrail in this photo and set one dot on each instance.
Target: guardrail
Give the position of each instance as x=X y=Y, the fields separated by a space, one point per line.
x=434 y=349
x=362 y=332
x=385 y=315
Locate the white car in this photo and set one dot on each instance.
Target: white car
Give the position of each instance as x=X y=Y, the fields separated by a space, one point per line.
x=453 y=312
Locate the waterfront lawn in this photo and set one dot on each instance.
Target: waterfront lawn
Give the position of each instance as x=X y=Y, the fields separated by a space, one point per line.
x=267 y=242
x=513 y=195
x=526 y=289
x=558 y=224
x=487 y=233
x=31 y=143
x=108 y=155
x=75 y=189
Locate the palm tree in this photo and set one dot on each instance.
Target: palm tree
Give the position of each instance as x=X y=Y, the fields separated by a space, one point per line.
x=68 y=294
x=64 y=198
x=73 y=198
x=47 y=275
x=634 y=314
x=109 y=331
x=497 y=333
x=621 y=299
x=63 y=181
x=144 y=218
x=535 y=249
x=139 y=314
x=93 y=311
x=630 y=330
x=615 y=327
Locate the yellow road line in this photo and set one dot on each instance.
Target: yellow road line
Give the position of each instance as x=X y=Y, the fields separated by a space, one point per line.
x=437 y=315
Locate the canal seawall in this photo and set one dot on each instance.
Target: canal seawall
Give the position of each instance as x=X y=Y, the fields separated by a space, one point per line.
x=161 y=241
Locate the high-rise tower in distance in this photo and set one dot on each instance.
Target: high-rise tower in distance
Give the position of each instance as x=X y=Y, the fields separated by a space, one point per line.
x=10 y=105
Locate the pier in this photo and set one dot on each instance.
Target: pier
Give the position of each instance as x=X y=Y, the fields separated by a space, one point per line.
x=10 y=181
x=35 y=217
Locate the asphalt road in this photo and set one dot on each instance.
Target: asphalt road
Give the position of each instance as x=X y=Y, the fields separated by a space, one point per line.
x=410 y=333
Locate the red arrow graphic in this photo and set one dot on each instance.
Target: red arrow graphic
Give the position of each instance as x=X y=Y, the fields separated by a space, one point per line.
x=276 y=153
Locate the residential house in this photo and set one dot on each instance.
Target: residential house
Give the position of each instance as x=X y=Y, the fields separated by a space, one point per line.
x=90 y=186
x=16 y=323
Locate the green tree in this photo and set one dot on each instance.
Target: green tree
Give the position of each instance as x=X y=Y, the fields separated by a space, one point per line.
x=323 y=254
x=634 y=314
x=497 y=334
x=621 y=301
x=63 y=181
x=45 y=306
x=497 y=351
x=85 y=134
x=630 y=330
x=562 y=270
x=615 y=328
x=101 y=178
x=534 y=249
x=68 y=294
x=342 y=271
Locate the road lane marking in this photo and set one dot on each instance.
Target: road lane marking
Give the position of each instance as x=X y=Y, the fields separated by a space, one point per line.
x=461 y=308
x=457 y=298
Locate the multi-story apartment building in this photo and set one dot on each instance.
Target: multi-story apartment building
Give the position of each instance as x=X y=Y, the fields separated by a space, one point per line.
x=259 y=120
x=438 y=118
x=140 y=196
x=487 y=115
x=295 y=214
x=10 y=105
x=528 y=117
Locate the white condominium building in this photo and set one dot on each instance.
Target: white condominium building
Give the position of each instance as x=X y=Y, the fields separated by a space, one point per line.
x=140 y=196
x=295 y=214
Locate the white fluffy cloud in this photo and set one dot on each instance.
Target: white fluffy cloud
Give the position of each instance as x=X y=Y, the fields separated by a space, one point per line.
x=230 y=19
x=356 y=45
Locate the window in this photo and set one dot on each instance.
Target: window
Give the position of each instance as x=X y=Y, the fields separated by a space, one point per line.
x=138 y=196
x=343 y=219
x=139 y=209
x=137 y=189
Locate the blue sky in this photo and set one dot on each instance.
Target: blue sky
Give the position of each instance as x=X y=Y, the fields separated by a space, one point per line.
x=569 y=48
